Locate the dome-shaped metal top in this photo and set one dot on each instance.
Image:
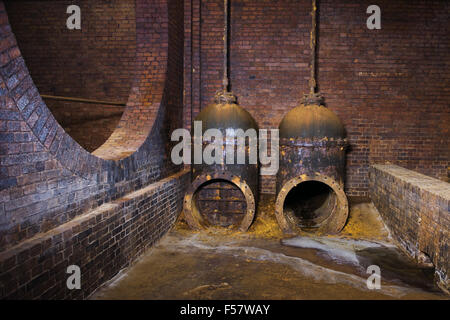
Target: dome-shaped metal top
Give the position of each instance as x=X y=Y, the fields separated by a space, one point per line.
x=225 y=114
x=311 y=121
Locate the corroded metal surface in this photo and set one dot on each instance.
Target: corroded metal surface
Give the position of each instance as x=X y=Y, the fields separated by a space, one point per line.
x=312 y=148
x=214 y=197
x=336 y=211
x=313 y=45
x=200 y=209
x=197 y=220
x=311 y=121
x=310 y=180
x=225 y=115
x=221 y=202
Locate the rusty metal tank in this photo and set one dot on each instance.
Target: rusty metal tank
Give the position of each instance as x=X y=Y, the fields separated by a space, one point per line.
x=223 y=194
x=310 y=180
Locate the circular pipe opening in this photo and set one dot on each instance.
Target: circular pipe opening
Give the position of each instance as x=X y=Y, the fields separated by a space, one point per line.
x=222 y=200
x=309 y=204
x=219 y=202
x=315 y=203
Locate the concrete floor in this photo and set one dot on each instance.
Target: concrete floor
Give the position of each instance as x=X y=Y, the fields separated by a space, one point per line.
x=259 y=264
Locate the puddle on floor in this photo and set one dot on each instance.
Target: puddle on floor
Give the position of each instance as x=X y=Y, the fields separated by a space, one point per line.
x=260 y=264
x=358 y=255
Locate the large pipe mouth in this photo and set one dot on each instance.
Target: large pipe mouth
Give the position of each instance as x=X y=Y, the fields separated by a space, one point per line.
x=311 y=204
x=219 y=200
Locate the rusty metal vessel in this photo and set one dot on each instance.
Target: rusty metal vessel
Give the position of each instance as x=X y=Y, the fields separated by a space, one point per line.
x=310 y=181
x=223 y=194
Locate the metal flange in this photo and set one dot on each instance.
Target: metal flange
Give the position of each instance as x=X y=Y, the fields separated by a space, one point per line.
x=191 y=213
x=332 y=224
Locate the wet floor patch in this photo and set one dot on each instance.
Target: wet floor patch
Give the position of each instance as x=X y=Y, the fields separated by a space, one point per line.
x=396 y=267
x=260 y=264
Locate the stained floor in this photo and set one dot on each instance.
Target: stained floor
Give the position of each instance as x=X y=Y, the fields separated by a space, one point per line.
x=260 y=264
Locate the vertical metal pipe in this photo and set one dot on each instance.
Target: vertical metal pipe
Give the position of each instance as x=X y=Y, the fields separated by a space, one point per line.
x=312 y=80
x=225 y=47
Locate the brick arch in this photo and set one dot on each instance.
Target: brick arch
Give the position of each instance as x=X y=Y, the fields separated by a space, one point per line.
x=146 y=104
x=147 y=90
x=35 y=150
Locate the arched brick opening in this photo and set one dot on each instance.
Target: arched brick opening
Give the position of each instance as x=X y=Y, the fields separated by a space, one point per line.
x=146 y=92
x=84 y=76
x=61 y=179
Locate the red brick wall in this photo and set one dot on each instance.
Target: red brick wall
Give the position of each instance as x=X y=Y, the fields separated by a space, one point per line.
x=96 y=62
x=388 y=86
x=100 y=242
x=46 y=179
x=415 y=209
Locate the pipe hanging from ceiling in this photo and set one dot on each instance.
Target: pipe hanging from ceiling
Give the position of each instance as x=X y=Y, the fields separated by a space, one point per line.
x=223 y=194
x=310 y=182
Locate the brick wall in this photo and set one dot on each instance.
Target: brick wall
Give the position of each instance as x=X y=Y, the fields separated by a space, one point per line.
x=96 y=62
x=388 y=86
x=46 y=178
x=415 y=208
x=100 y=242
